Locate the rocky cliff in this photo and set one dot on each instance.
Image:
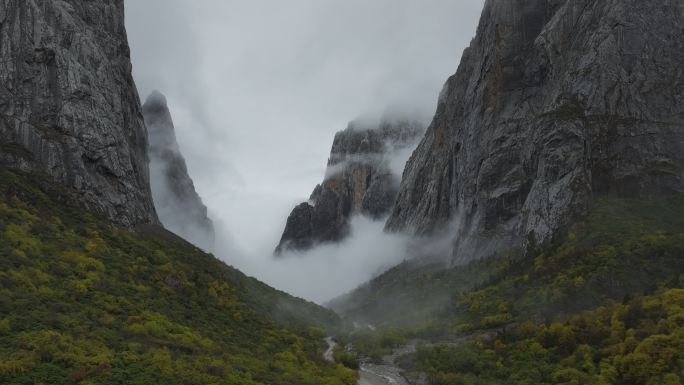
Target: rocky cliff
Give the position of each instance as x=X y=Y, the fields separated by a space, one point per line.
x=362 y=177
x=69 y=109
x=179 y=206
x=554 y=101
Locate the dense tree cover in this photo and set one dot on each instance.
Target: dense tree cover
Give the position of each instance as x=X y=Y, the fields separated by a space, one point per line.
x=376 y=344
x=640 y=342
x=623 y=248
x=563 y=313
x=83 y=302
x=347 y=358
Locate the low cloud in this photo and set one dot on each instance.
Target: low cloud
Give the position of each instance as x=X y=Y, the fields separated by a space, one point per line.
x=258 y=90
x=328 y=270
x=331 y=270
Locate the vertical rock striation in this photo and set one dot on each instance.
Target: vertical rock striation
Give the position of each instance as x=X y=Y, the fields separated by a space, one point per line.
x=179 y=206
x=69 y=109
x=362 y=178
x=554 y=101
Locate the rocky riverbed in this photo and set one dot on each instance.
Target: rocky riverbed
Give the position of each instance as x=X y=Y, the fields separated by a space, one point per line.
x=384 y=373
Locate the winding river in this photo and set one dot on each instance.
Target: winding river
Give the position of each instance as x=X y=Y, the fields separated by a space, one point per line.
x=371 y=374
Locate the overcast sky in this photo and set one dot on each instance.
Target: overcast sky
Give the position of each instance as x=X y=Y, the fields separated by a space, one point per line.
x=258 y=88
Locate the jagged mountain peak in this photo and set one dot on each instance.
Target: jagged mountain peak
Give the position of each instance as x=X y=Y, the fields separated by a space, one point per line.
x=179 y=206
x=159 y=124
x=362 y=177
x=156 y=99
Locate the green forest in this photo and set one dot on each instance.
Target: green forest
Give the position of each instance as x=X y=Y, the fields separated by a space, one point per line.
x=602 y=304
x=82 y=302
x=640 y=341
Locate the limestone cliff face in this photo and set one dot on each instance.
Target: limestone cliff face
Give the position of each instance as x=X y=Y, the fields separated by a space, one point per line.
x=179 y=206
x=555 y=101
x=361 y=178
x=69 y=109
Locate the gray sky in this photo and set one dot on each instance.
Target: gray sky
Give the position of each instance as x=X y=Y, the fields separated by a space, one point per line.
x=258 y=88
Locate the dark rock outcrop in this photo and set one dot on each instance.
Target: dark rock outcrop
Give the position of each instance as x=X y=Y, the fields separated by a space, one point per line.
x=360 y=179
x=69 y=109
x=555 y=101
x=179 y=206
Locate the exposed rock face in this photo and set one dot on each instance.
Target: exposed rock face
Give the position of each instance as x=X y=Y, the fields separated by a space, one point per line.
x=179 y=206
x=68 y=106
x=554 y=102
x=361 y=178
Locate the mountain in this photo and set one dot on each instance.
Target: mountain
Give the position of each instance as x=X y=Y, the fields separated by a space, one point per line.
x=69 y=109
x=556 y=153
x=92 y=289
x=362 y=177
x=178 y=205
x=554 y=103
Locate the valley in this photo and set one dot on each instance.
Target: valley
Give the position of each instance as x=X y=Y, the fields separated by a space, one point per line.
x=385 y=373
x=522 y=226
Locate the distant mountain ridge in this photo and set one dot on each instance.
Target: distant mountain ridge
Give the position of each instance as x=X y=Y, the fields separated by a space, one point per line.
x=361 y=178
x=178 y=205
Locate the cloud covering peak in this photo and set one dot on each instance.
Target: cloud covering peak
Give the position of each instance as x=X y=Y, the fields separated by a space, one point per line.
x=259 y=88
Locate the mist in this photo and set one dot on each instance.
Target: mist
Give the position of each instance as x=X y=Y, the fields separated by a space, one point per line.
x=178 y=206
x=183 y=219
x=257 y=90
x=329 y=270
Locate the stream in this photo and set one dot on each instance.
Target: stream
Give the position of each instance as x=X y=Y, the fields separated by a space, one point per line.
x=372 y=374
x=329 y=354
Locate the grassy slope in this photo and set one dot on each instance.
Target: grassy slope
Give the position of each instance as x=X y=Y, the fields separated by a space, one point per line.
x=83 y=302
x=624 y=250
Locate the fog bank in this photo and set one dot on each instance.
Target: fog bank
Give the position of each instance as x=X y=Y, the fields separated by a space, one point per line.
x=258 y=89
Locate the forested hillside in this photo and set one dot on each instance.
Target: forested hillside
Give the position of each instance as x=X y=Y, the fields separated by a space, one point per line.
x=600 y=305
x=84 y=302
